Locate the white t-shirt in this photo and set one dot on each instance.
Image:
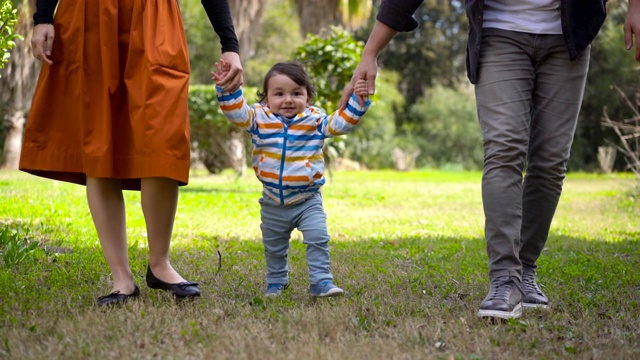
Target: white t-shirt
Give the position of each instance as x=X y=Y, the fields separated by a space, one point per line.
x=531 y=16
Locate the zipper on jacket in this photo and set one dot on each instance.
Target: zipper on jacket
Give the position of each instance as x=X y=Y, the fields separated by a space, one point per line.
x=284 y=151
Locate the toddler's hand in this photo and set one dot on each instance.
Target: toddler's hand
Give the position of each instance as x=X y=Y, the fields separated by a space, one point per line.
x=361 y=89
x=222 y=69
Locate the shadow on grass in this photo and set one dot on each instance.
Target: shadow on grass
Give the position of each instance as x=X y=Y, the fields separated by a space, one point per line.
x=418 y=291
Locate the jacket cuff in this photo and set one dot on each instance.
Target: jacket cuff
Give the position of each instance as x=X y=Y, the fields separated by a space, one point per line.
x=354 y=102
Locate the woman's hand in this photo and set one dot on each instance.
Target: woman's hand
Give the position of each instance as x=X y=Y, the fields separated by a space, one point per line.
x=632 y=27
x=232 y=79
x=42 y=42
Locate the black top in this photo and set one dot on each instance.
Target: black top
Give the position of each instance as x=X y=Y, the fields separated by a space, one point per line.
x=218 y=12
x=398 y=15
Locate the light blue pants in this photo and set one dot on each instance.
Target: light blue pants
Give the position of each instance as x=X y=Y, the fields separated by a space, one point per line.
x=277 y=224
x=528 y=97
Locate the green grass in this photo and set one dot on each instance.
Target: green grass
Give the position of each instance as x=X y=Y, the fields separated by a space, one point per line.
x=408 y=249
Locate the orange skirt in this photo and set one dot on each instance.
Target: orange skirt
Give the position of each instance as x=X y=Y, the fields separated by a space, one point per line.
x=114 y=102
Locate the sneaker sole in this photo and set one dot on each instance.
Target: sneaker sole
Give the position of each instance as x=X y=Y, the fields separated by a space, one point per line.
x=331 y=293
x=534 y=306
x=513 y=314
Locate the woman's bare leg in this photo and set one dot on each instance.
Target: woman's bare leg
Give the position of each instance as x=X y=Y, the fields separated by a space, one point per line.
x=106 y=204
x=159 y=203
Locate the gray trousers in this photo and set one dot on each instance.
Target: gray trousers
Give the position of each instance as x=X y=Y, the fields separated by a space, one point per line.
x=277 y=224
x=528 y=97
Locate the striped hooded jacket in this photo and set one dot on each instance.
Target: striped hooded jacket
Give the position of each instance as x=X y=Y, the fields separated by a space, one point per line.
x=287 y=153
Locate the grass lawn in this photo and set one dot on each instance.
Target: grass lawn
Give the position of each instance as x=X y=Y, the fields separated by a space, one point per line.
x=407 y=248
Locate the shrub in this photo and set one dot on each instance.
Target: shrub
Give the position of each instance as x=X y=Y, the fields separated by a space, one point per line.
x=215 y=142
x=15 y=246
x=8 y=20
x=330 y=59
x=446 y=129
x=373 y=141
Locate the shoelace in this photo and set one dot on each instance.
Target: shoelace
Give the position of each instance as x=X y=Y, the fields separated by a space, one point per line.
x=529 y=283
x=501 y=289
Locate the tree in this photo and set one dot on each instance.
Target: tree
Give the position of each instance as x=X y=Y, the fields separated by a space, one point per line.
x=17 y=85
x=610 y=65
x=280 y=22
x=247 y=20
x=316 y=15
x=204 y=43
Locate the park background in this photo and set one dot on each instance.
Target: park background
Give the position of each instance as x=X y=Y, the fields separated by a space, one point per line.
x=403 y=203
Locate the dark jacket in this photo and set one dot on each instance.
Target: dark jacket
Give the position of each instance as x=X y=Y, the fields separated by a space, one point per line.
x=581 y=22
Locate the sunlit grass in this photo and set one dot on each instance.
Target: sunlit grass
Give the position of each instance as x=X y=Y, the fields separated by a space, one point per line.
x=407 y=247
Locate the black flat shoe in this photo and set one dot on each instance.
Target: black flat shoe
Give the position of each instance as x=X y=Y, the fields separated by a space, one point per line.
x=118 y=298
x=185 y=289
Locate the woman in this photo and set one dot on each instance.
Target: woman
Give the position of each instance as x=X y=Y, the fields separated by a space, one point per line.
x=110 y=112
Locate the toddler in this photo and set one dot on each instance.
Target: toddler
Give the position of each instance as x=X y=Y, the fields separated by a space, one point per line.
x=288 y=135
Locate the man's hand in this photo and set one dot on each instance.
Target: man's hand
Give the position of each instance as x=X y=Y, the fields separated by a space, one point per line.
x=42 y=42
x=366 y=71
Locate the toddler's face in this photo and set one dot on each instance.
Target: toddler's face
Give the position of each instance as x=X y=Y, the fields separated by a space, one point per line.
x=285 y=97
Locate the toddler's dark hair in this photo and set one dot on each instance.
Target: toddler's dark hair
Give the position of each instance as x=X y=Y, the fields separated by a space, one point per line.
x=295 y=71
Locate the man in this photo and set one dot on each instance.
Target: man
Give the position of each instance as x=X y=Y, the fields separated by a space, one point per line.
x=528 y=60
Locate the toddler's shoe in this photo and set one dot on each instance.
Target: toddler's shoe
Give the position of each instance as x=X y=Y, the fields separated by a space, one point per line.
x=325 y=288
x=274 y=290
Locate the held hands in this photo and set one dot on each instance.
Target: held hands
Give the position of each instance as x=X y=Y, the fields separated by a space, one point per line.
x=228 y=72
x=222 y=70
x=361 y=89
x=42 y=42
x=366 y=71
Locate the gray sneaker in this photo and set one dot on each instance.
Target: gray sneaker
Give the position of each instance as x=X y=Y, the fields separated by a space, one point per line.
x=533 y=296
x=324 y=289
x=504 y=299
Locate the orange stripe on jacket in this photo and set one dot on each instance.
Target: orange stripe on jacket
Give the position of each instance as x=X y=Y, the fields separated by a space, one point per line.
x=232 y=107
x=269 y=175
x=303 y=127
x=288 y=178
x=293 y=178
x=348 y=118
x=269 y=125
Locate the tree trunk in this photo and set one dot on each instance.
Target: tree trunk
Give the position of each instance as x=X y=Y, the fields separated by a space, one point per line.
x=16 y=86
x=247 y=21
x=316 y=15
x=14 y=123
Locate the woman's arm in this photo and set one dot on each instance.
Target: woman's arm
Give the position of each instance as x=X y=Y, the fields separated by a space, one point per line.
x=219 y=14
x=44 y=11
x=43 y=31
